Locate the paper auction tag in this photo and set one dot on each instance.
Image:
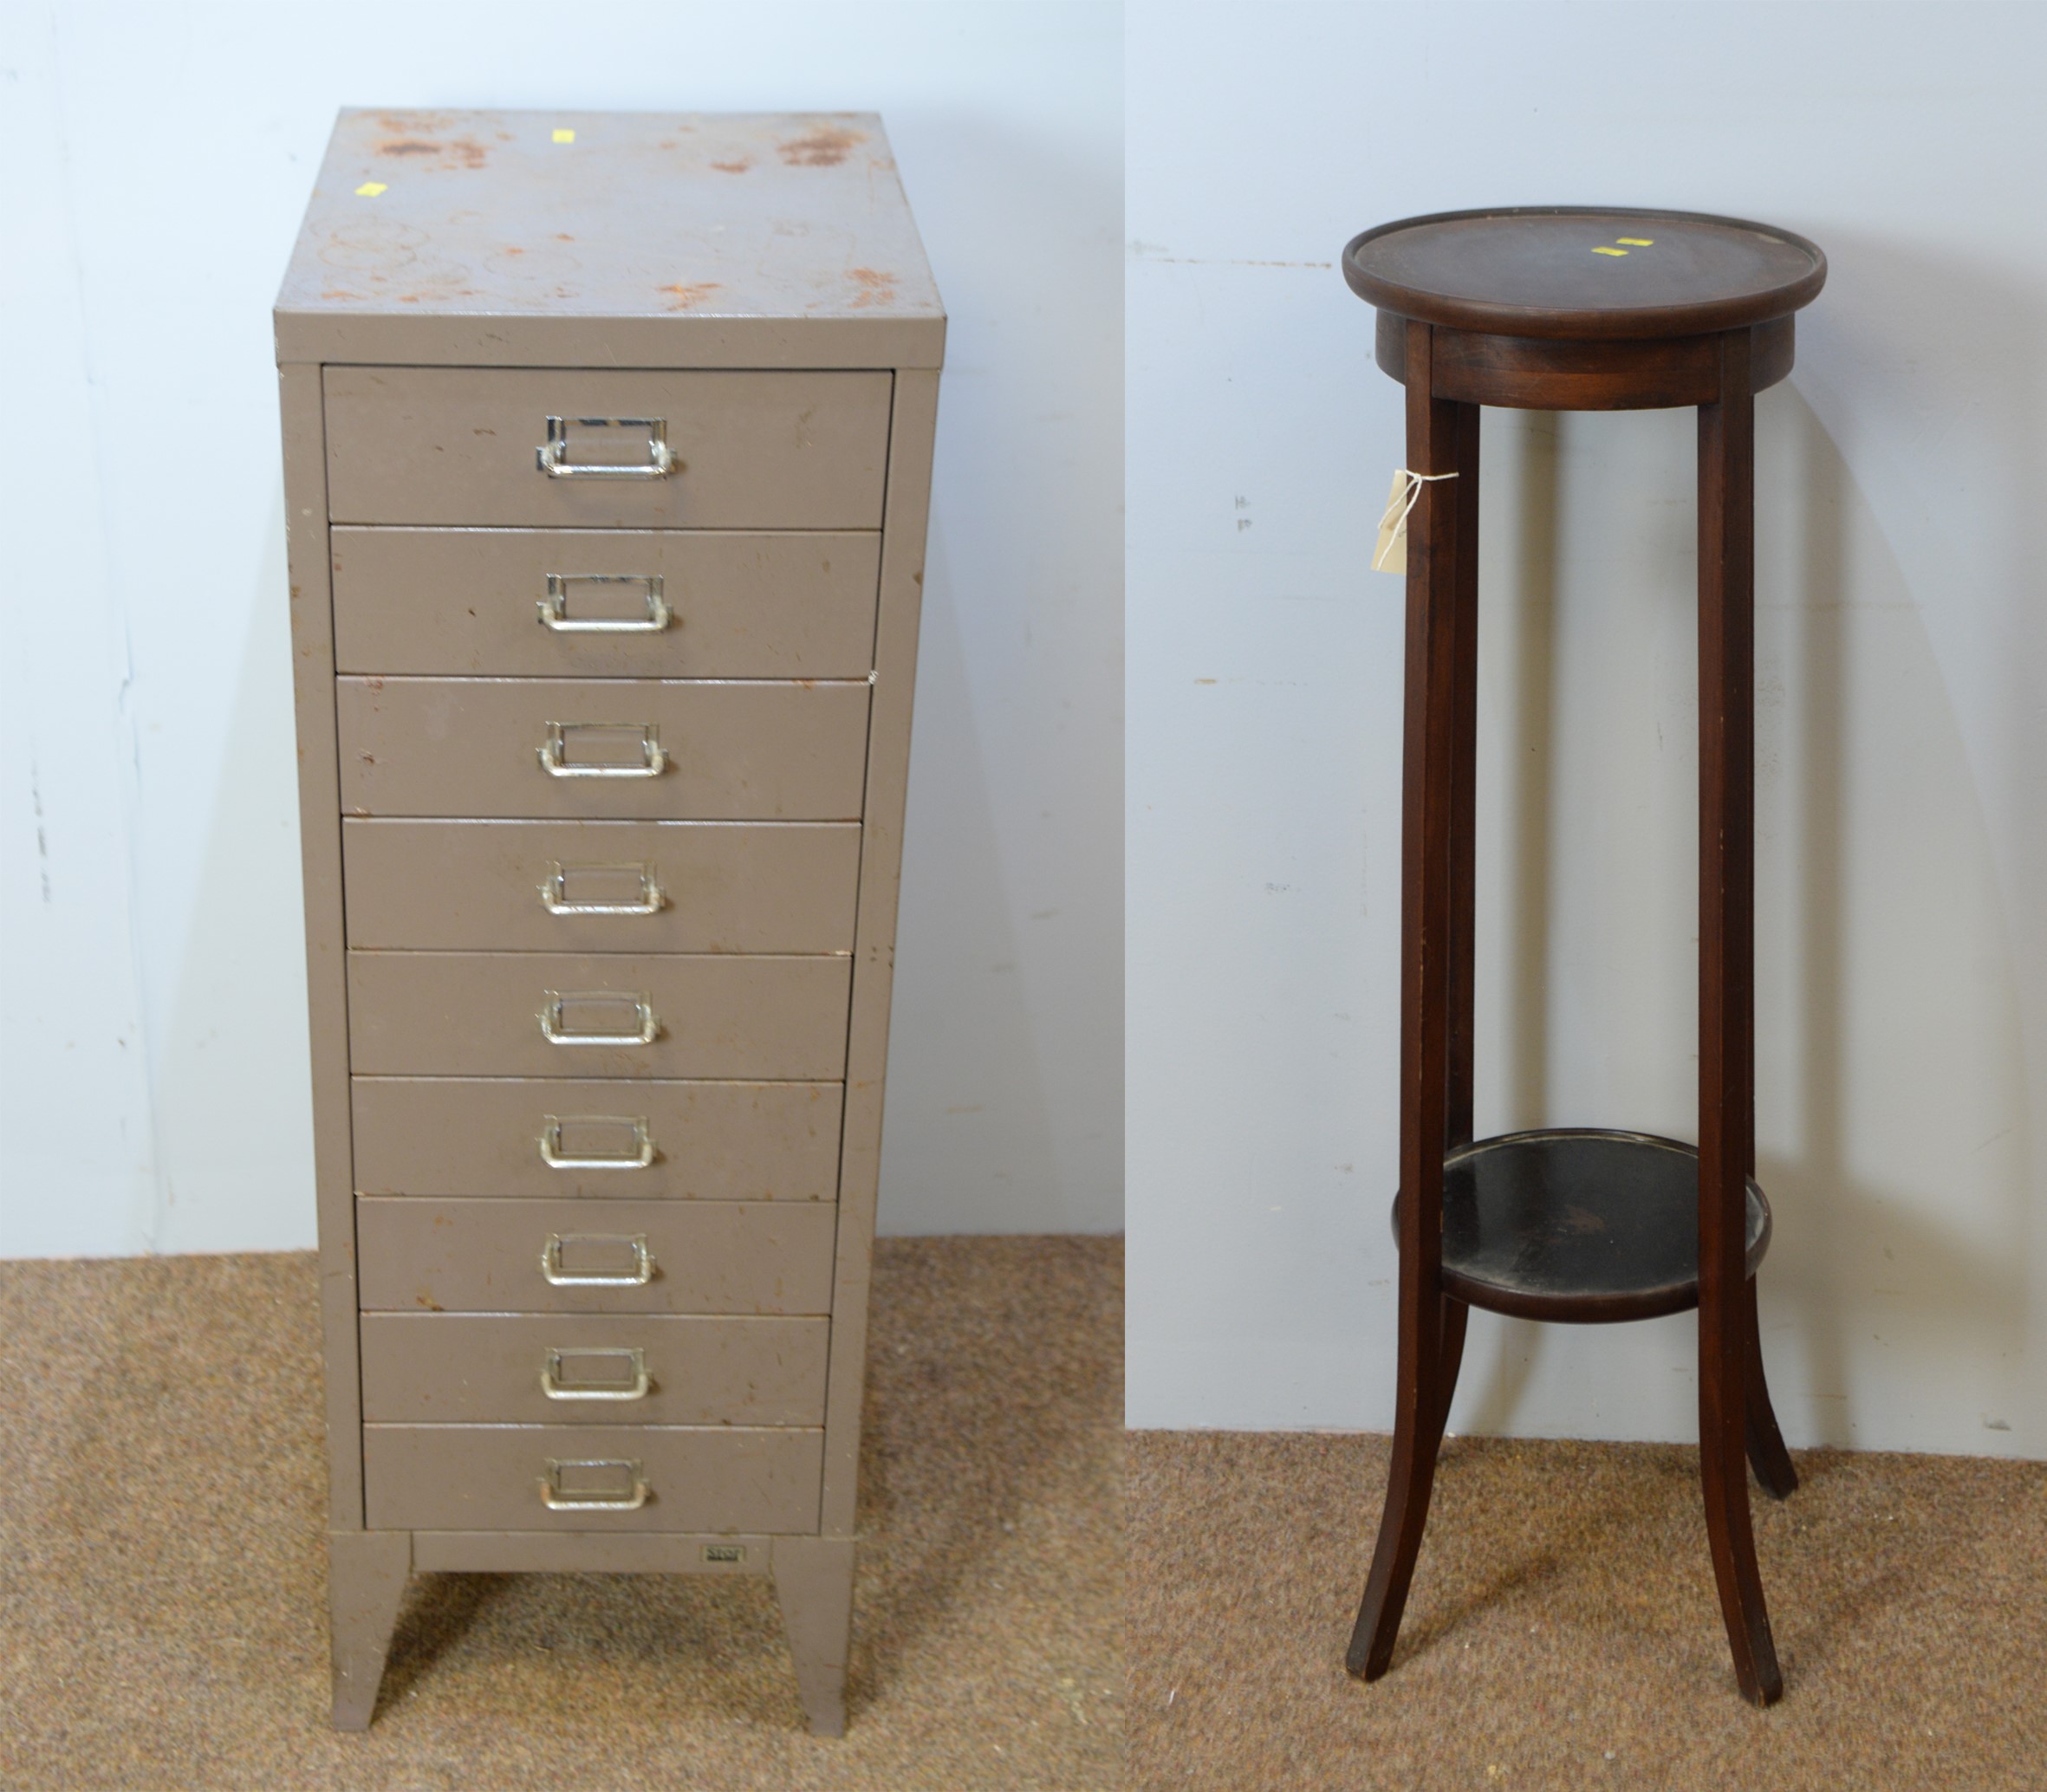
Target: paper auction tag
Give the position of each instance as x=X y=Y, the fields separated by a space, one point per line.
x=1391 y=554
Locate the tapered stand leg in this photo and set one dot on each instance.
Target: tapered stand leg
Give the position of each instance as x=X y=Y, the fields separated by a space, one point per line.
x=366 y=1583
x=814 y=1581
x=1449 y=1359
x=1767 y=1454
x=1430 y=1338
x=1464 y=848
x=1726 y=1005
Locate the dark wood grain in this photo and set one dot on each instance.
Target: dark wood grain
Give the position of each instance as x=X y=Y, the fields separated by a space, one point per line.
x=1462 y=945
x=1565 y=270
x=1545 y=373
x=1426 y=807
x=1578 y=1225
x=1767 y=1454
x=1464 y=846
x=1727 y=1002
x=1539 y=309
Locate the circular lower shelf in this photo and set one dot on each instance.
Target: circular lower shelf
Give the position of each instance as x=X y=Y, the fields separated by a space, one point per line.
x=1577 y=1224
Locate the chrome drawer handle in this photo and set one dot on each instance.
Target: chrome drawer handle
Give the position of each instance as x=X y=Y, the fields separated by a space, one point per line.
x=552 y=455
x=554 y=607
x=554 y=894
x=639 y=1276
x=551 y=1144
x=557 y=1033
x=553 y=1498
x=554 y=754
x=635 y=1388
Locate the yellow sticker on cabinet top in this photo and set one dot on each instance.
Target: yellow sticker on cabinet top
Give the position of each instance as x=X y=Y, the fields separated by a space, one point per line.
x=370 y=189
x=564 y=136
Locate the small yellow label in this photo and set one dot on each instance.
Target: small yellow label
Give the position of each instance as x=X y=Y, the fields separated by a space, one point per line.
x=1637 y=242
x=1603 y=250
x=370 y=189
x=564 y=136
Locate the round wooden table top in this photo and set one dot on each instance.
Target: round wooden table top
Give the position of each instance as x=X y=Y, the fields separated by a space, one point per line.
x=1584 y=272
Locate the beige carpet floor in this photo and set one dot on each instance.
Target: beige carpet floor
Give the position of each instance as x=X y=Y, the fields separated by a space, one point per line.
x=1563 y=1630
x=163 y=1577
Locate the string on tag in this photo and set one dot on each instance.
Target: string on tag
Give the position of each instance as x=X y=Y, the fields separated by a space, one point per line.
x=1392 y=528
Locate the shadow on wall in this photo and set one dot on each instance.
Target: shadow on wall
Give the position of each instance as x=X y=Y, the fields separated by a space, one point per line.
x=1948 y=354
x=1893 y=1137
x=233 y=1096
x=952 y=1161
x=1004 y=1097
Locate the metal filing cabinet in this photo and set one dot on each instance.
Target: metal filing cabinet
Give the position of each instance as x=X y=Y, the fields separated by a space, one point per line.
x=607 y=447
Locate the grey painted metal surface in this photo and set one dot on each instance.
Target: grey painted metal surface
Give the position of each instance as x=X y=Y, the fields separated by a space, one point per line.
x=475 y=1477
x=604 y=1014
x=423 y=1255
x=605 y=602
x=652 y=239
x=507 y=1368
x=680 y=1141
x=749 y=749
x=486 y=885
x=740 y=450
x=582 y=411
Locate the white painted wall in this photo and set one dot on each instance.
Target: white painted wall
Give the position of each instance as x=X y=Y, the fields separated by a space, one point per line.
x=1901 y=661
x=152 y=1057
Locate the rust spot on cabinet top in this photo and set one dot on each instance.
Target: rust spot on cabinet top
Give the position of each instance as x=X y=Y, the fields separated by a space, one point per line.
x=874 y=288
x=451 y=152
x=825 y=147
x=686 y=293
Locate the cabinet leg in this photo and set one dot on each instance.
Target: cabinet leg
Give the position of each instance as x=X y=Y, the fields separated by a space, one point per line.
x=1767 y=1454
x=366 y=1582
x=814 y=1581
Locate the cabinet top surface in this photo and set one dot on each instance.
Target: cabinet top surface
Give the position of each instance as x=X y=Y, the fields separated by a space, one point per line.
x=1575 y=271
x=676 y=227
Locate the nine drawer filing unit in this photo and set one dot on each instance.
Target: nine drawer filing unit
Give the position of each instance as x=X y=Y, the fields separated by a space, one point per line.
x=607 y=447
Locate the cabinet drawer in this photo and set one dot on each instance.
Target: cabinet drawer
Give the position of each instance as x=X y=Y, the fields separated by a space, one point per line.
x=671 y=887
x=746 y=750
x=604 y=603
x=533 y=1014
x=704 y=1141
x=489 y=1478
x=433 y=1368
x=744 y=449
x=581 y=1256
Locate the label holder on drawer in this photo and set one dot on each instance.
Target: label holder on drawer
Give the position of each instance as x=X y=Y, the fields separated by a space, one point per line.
x=558 y=1498
x=553 y=751
x=557 y=1275
x=555 y=899
x=552 y=455
x=557 y=1380
x=556 y=1030
x=555 y=1156
x=554 y=607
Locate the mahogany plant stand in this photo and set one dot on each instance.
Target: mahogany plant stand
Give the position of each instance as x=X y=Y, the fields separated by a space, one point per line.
x=1581 y=309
